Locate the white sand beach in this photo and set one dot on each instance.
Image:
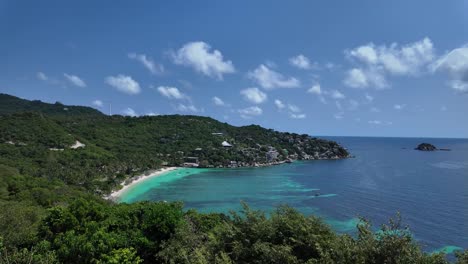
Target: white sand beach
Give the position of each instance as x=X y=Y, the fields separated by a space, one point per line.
x=137 y=179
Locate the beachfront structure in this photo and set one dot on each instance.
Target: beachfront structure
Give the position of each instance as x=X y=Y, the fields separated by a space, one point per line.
x=226 y=144
x=191 y=162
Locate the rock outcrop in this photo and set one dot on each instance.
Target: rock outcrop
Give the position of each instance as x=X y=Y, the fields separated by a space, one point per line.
x=426 y=147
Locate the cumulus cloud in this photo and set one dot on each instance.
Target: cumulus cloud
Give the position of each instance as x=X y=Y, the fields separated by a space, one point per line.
x=147 y=62
x=455 y=64
x=41 y=76
x=335 y=94
x=363 y=78
x=280 y=105
x=254 y=95
x=98 y=103
x=315 y=89
x=75 y=80
x=300 y=61
x=378 y=61
x=199 y=56
x=171 y=92
x=250 y=111
x=270 y=79
x=129 y=112
x=124 y=84
x=218 y=101
x=151 y=114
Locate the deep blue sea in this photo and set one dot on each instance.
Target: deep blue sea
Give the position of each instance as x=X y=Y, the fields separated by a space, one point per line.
x=429 y=189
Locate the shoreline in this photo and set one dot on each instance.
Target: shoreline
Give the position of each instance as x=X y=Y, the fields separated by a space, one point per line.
x=114 y=195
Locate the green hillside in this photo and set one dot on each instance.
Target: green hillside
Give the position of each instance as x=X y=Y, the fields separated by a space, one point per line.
x=116 y=147
x=12 y=104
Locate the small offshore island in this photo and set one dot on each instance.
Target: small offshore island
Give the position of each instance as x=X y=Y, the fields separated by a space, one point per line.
x=429 y=147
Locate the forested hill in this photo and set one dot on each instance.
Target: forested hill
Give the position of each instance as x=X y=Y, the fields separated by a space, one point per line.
x=11 y=104
x=84 y=147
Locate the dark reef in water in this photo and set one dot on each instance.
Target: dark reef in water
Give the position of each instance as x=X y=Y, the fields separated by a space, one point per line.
x=426 y=147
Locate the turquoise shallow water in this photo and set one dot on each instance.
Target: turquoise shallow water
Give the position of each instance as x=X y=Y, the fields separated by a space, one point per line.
x=430 y=190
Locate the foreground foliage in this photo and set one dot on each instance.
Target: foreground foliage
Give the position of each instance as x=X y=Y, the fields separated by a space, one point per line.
x=87 y=231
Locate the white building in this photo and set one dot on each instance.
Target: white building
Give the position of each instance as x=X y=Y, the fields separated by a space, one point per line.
x=226 y=144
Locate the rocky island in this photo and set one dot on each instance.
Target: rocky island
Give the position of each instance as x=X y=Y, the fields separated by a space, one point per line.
x=426 y=147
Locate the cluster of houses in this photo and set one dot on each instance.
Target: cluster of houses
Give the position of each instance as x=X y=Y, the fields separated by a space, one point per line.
x=271 y=156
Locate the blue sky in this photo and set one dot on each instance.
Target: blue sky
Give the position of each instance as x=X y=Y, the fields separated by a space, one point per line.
x=353 y=68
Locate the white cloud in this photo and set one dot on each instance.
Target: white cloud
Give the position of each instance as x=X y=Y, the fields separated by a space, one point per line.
x=294 y=108
x=75 y=80
x=151 y=114
x=459 y=86
x=254 y=95
x=297 y=116
x=335 y=94
x=315 y=89
x=455 y=63
x=187 y=108
x=199 y=56
x=250 y=111
x=300 y=61
x=366 y=54
x=360 y=78
x=129 y=112
x=405 y=60
x=369 y=98
x=124 y=84
x=399 y=106
x=377 y=61
x=98 y=103
x=270 y=79
x=41 y=76
x=148 y=63
x=280 y=105
x=171 y=92
x=218 y=101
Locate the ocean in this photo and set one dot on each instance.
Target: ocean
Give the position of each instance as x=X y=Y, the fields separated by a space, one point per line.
x=386 y=176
